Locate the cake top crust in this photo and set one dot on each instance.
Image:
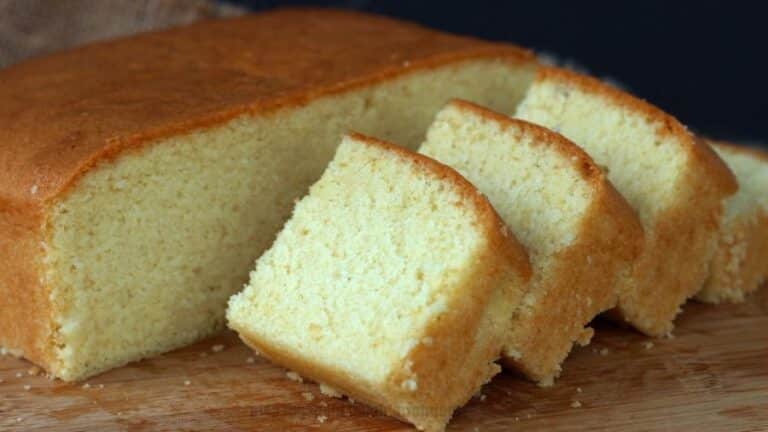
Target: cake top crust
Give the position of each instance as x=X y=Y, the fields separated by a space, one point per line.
x=699 y=152
x=64 y=113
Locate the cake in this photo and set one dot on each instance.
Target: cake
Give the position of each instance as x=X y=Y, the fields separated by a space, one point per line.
x=579 y=232
x=391 y=283
x=675 y=183
x=740 y=264
x=144 y=176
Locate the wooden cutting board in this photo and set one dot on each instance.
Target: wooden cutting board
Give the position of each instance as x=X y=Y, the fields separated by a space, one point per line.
x=713 y=376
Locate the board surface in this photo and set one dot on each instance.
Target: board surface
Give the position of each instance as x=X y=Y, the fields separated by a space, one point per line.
x=712 y=376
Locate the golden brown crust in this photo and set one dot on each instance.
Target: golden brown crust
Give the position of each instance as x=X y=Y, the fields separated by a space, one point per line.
x=719 y=175
x=25 y=310
x=755 y=152
x=65 y=113
x=62 y=115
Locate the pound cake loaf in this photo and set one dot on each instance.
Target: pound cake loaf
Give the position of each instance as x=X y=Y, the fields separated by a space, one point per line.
x=144 y=176
x=675 y=183
x=392 y=283
x=579 y=232
x=740 y=264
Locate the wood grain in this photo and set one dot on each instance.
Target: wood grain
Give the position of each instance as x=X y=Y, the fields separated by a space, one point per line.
x=713 y=376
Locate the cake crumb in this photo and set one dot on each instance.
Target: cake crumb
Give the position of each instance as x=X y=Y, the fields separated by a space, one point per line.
x=33 y=371
x=203 y=354
x=351 y=401
x=323 y=404
x=101 y=386
x=217 y=348
x=578 y=389
x=19 y=374
x=293 y=376
x=528 y=415
x=329 y=391
x=322 y=418
x=86 y=386
x=2 y=380
x=250 y=360
x=604 y=352
x=482 y=397
x=187 y=382
x=33 y=189
x=517 y=419
x=575 y=404
x=27 y=387
x=19 y=419
x=308 y=396
x=648 y=345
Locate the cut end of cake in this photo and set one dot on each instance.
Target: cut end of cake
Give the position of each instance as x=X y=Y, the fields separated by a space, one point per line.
x=390 y=265
x=675 y=184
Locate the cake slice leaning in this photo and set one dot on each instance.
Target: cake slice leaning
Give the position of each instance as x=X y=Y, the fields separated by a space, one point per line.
x=392 y=282
x=675 y=183
x=579 y=232
x=740 y=264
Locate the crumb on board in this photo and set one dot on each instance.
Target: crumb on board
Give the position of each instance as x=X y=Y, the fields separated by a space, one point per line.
x=575 y=404
x=329 y=391
x=19 y=374
x=101 y=386
x=322 y=418
x=293 y=376
x=308 y=396
x=648 y=345
x=33 y=371
x=187 y=382
x=578 y=389
x=250 y=360
x=86 y=386
x=27 y=387
x=2 y=380
x=482 y=397
x=217 y=348
x=323 y=404
x=604 y=352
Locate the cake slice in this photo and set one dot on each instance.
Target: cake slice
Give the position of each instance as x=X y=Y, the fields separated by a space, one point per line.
x=740 y=264
x=675 y=183
x=392 y=282
x=144 y=176
x=579 y=232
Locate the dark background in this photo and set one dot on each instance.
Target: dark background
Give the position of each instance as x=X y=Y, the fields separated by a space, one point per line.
x=704 y=62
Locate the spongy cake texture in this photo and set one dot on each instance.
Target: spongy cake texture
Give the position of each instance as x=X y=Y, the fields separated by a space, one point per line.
x=740 y=265
x=675 y=183
x=140 y=193
x=392 y=282
x=580 y=234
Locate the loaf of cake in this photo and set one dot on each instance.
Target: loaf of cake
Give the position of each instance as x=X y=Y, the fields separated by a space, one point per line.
x=579 y=232
x=675 y=183
x=144 y=176
x=740 y=264
x=392 y=283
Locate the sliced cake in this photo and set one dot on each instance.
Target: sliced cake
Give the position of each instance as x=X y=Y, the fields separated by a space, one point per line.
x=740 y=264
x=579 y=232
x=391 y=283
x=144 y=176
x=675 y=183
